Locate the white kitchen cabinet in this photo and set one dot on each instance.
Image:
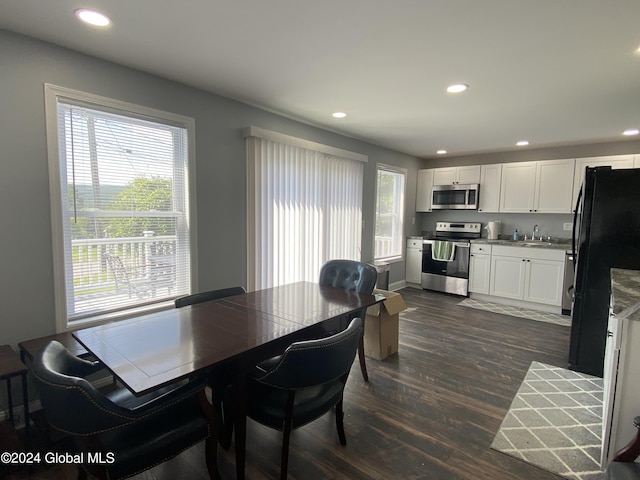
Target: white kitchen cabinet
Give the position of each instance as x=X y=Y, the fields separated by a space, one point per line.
x=424 y=190
x=490 y=176
x=610 y=377
x=528 y=274
x=479 y=268
x=636 y=162
x=414 y=261
x=537 y=187
x=614 y=161
x=457 y=175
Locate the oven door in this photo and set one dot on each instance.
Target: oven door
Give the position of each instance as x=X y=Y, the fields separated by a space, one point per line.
x=443 y=276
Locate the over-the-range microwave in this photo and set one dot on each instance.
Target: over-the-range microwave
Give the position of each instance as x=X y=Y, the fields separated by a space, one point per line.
x=455 y=197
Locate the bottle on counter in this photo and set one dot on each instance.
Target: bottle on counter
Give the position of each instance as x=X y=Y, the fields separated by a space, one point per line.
x=516 y=235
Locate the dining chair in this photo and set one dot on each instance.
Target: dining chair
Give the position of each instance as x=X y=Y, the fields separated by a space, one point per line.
x=118 y=433
x=219 y=378
x=624 y=466
x=302 y=384
x=207 y=296
x=356 y=276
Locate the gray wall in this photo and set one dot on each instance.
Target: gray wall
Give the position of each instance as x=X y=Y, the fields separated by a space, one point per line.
x=26 y=281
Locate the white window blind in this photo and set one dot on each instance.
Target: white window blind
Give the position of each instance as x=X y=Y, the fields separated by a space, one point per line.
x=122 y=208
x=389 y=233
x=305 y=207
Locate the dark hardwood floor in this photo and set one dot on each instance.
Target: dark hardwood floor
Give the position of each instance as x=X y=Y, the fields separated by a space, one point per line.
x=429 y=412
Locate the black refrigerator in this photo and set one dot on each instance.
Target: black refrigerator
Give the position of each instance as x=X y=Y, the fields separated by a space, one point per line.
x=606 y=235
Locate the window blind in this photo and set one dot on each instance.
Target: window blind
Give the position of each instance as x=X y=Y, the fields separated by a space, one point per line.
x=305 y=207
x=124 y=208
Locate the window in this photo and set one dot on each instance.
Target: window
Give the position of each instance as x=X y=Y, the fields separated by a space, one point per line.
x=389 y=234
x=120 y=206
x=305 y=207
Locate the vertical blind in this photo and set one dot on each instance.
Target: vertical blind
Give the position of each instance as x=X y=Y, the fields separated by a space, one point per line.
x=124 y=205
x=305 y=207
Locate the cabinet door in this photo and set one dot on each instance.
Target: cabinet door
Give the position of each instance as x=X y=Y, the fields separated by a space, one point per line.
x=610 y=377
x=615 y=161
x=445 y=176
x=517 y=187
x=554 y=186
x=468 y=175
x=414 y=262
x=507 y=277
x=479 y=270
x=490 y=188
x=543 y=281
x=424 y=190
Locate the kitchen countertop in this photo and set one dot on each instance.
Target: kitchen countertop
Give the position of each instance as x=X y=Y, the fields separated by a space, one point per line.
x=625 y=285
x=555 y=245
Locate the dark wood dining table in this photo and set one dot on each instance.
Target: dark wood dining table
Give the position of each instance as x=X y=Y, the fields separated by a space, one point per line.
x=160 y=348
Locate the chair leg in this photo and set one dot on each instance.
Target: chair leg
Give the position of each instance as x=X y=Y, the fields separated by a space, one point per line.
x=211 y=443
x=363 y=365
x=340 y=423
x=286 y=434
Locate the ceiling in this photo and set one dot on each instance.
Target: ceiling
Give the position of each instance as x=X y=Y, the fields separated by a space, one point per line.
x=553 y=72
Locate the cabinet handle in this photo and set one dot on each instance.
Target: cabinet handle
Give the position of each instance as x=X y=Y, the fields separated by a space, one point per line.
x=609 y=333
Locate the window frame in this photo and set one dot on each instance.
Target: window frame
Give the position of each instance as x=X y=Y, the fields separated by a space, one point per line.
x=400 y=215
x=52 y=93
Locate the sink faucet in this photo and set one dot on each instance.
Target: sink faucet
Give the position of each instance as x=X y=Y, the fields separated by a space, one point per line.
x=536 y=230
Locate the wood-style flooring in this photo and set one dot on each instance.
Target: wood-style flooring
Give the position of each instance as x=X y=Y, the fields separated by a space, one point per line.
x=429 y=412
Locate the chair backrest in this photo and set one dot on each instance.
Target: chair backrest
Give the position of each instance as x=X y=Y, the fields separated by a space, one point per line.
x=349 y=274
x=70 y=402
x=119 y=271
x=314 y=362
x=207 y=296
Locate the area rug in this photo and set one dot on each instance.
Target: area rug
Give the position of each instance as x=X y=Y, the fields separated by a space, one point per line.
x=555 y=423
x=517 y=312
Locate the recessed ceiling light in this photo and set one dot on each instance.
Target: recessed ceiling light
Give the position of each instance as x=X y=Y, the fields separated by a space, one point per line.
x=92 y=17
x=338 y=114
x=631 y=131
x=441 y=152
x=522 y=143
x=457 y=87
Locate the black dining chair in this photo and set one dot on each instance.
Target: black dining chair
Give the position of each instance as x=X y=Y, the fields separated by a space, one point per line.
x=208 y=296
x=302 y=384
x=218 y=377
x=351 y=275
x=130 y=434
x=624 y=466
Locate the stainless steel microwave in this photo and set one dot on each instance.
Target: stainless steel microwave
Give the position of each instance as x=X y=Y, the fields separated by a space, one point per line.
x=455 y=197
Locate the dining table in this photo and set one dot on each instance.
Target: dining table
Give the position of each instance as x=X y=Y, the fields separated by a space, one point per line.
x=156 y=349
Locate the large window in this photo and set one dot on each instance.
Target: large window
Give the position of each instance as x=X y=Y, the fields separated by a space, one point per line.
x=389 y=235
x=305 y=207
x=120 y=206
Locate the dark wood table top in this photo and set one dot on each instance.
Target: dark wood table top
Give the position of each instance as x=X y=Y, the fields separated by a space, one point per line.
x=28 y=348
x=155 y=349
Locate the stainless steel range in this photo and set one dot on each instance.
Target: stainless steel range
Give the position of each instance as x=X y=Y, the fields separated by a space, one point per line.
x=445 y=258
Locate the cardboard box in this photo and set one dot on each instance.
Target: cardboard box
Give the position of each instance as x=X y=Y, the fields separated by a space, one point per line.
x=381 y=325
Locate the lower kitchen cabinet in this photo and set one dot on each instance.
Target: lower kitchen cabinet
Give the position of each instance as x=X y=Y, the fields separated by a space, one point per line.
x=414 y=261
x=528 y=274
x=479 y=268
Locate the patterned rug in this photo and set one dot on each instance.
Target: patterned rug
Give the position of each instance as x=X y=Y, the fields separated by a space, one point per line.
x=517 y=312
x=555 y=423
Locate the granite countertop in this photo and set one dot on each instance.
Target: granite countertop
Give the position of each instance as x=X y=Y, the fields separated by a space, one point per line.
x=559 y=244
x=625 y=285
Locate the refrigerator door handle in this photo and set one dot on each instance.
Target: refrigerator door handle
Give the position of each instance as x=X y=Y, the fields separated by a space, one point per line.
x=575 y=226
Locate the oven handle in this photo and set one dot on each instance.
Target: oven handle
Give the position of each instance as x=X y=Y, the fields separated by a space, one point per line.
x=457 y=244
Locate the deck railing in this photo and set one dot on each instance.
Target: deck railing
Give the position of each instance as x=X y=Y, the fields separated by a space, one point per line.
x=90 y=270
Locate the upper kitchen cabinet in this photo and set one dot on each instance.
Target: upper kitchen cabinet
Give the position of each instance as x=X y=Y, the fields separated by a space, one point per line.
x=489 y=201
x=456 y=175
x=424 y=191
x=614 y=161
x=537 y=187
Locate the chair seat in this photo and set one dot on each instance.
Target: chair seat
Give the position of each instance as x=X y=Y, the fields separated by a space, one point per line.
x=310 y=403
x=153 y=440
x=623 y=471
